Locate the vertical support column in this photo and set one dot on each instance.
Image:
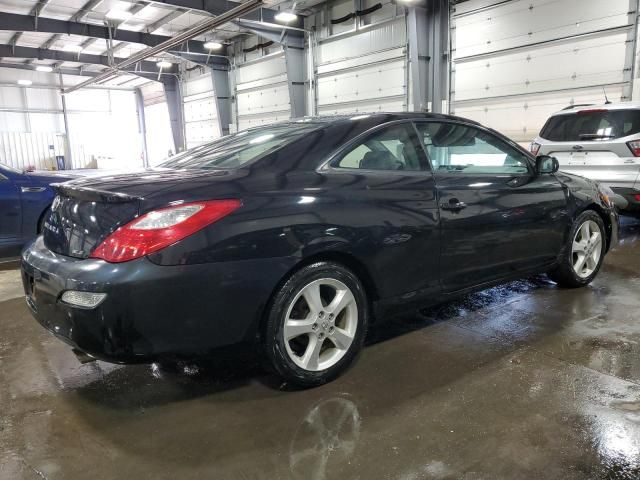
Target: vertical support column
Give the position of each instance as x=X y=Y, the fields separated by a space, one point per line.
x=295 y=61
x=428 y=38
x=222 y=92
x=68 y=160
x=142 y=126
x=174 y=103
x=631 y=91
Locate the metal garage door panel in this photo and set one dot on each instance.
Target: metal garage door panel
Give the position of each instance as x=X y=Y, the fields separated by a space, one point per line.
x=365 y=83
x=521 y=118
x=197 y=84
x=388 y=35
x=200 y=132
x=263 y=101
x=378 y=105
x=264 y=68
x=523 y=22
x=581 y=63
x=201 y=109
x=250 y=121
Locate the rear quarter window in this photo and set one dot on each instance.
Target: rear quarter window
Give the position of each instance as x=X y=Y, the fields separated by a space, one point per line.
x=591 y=125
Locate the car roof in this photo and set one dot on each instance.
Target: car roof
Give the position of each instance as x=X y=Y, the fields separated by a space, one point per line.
x=375 y=117
x=604 y=106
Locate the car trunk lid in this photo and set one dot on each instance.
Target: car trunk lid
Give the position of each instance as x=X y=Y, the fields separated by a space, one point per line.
x=81 y=218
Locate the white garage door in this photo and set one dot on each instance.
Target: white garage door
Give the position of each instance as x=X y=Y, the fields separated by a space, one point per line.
x=516 y=62
x=364 y=71
x=200 y=112
x=262 y=92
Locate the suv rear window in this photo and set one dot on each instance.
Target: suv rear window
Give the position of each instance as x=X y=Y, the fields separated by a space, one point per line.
x=593 y=125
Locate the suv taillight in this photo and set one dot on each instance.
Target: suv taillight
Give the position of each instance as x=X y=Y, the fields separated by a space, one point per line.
x=158 y=229
x=634 y=146
x=534 y=148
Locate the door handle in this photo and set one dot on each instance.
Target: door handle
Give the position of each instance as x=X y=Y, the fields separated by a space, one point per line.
x=32 y=189
x=454 y=204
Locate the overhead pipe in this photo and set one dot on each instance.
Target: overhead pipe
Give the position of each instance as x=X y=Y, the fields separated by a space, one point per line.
x=179 y=39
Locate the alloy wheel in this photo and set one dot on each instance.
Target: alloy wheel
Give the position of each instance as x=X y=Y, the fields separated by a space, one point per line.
x=320 y=324
x=587 y=249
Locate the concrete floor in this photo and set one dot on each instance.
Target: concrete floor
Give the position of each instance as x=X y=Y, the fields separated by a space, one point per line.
x=521 y=381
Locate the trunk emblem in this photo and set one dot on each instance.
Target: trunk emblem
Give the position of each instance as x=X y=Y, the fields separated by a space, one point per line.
x=577 y=147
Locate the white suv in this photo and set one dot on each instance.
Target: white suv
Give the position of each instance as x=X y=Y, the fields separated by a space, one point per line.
x=600 y=142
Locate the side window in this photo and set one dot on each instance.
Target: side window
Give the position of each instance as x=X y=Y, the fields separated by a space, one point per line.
x=456 y=148
x=392 y=148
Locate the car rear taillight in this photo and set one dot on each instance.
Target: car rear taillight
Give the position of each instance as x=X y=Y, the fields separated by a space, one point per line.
x=634 y=146
x=158 y=229
x=534 y=148
x=637 y=197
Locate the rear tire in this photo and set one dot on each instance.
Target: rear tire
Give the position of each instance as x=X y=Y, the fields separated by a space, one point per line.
x=316 y=324
x=582 y=257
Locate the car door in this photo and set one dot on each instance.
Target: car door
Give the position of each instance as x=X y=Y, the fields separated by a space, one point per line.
x=10 y=210
x=497 y=216
x=388 y=198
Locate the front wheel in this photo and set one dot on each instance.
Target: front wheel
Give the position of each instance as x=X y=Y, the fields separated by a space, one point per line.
x=582 y=258
x=316 y=324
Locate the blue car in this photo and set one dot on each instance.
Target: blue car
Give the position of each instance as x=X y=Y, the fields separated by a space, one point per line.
x=25 y=197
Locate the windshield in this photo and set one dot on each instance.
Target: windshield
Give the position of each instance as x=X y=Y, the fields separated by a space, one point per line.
x=592 y=125
x=236 y=150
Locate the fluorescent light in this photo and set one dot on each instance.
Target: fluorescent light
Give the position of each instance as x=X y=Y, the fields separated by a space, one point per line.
x=286 y=17
x=164 y=64
x=44 y=68
x=213 y=45
x=24 y=82
x=116 y=14
x=72 y=47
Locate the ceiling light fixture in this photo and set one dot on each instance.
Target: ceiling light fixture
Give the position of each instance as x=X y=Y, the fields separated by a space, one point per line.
x=44 y=68
x=211 y=45
x=116 y=14
x=24 y=82
x=164 y=64
x=286 y=17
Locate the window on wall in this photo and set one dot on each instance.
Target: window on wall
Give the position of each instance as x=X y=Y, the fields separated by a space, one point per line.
x=392 y=148
x=339 y=10
x=454 y=148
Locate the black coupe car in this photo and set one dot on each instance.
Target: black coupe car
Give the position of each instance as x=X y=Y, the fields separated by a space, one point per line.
x=296 y=236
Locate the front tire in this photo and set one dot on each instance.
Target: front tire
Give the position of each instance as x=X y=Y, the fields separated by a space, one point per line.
x=316 y=324
x=582 y=257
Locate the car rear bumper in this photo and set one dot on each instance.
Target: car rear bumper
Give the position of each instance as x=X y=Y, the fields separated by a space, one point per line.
x=150 y=310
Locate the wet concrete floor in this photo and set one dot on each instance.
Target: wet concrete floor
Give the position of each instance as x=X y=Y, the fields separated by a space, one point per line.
x=521 y=381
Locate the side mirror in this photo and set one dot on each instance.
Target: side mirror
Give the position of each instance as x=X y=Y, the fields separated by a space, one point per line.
x=547 y=164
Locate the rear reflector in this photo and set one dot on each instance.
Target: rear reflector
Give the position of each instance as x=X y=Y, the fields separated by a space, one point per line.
x=634 y=146
x=637 y=197
x=83 y=299
x=158 y=229
x=534 y=148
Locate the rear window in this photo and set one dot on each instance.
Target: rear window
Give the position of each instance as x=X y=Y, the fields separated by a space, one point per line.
x=592 y=125
x=233 y=151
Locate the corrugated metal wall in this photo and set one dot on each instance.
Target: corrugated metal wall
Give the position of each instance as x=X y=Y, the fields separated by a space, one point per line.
x=517 y=62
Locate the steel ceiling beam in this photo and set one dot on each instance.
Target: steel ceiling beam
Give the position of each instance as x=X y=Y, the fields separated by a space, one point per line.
x=199 y=29
x=26 y=23
x=218 y=7
x=76 y=71
x=8 y=51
